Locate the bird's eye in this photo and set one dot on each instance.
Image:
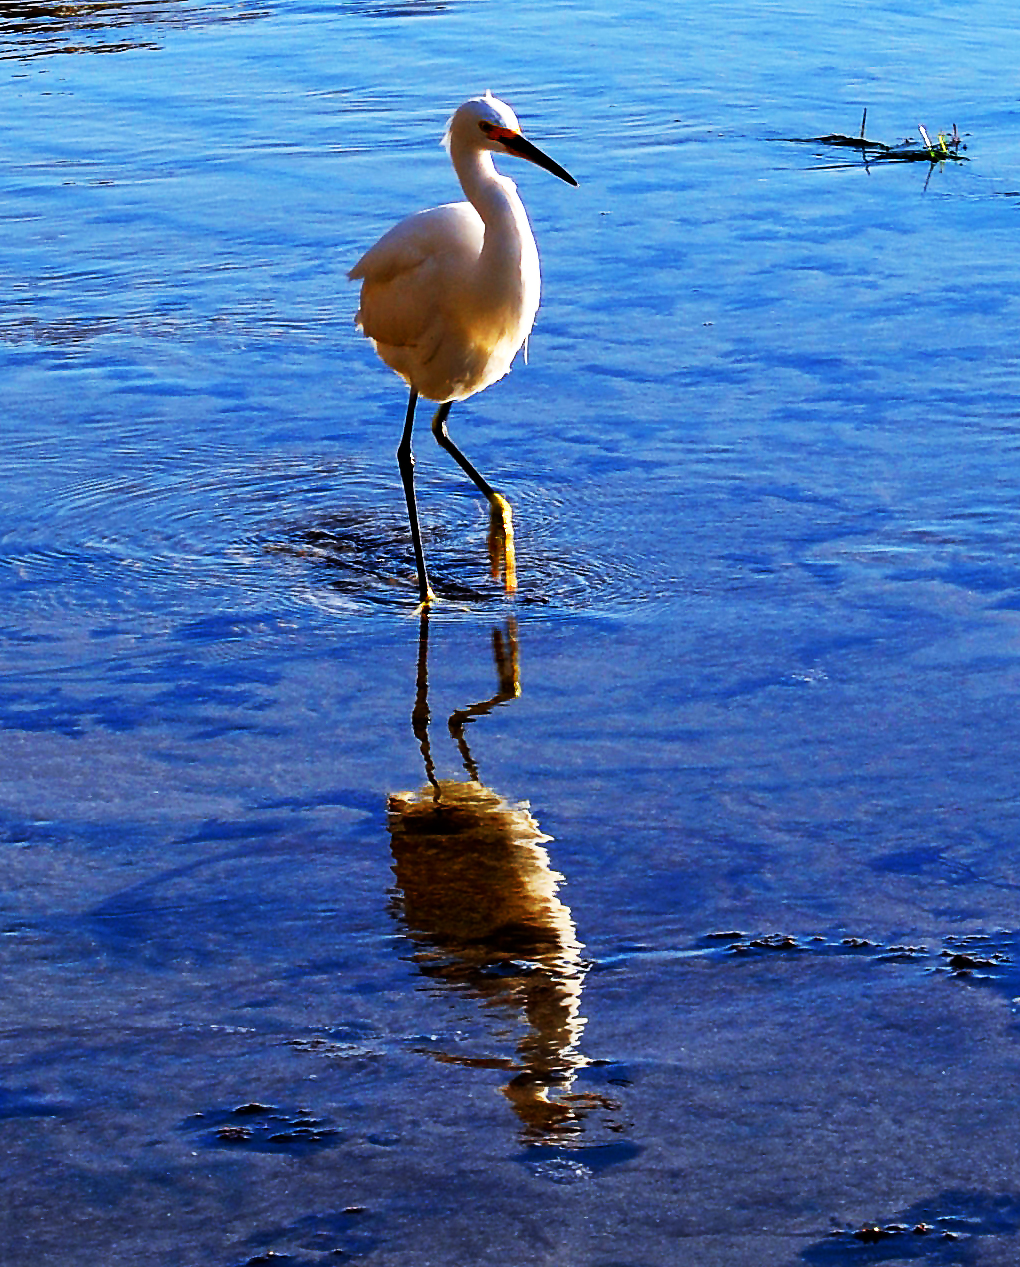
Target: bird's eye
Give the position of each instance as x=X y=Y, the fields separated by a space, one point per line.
x=487 y=127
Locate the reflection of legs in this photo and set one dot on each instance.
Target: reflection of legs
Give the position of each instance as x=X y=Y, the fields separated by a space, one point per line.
x=420 y=715
x=504 y=652
x=502 y=556
x=405 y=460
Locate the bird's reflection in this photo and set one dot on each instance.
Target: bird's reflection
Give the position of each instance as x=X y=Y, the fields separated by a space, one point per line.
x=480 y=903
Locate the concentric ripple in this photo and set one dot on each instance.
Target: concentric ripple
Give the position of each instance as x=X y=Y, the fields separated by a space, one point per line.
x=180 y=535
x=361 y=554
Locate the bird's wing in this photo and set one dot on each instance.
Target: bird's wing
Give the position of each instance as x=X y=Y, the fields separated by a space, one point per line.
x=407 y=275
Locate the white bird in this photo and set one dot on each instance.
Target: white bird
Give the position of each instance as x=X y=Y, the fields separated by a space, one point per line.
x=449 y=296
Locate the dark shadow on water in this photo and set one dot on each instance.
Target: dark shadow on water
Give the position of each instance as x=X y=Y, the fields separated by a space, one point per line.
x=371 y=561
x=37 y=29
x=29 y=1102
x=556 y=1164
x=480 y=906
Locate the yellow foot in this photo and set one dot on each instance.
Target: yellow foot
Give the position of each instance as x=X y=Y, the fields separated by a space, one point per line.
x=502 y=555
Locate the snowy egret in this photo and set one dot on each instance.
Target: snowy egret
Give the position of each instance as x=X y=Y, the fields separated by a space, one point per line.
x=449 y=296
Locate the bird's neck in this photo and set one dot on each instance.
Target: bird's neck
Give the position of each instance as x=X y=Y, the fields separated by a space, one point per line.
x=493 y=196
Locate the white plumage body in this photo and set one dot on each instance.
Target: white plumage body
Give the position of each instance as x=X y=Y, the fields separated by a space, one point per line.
x=449 y=297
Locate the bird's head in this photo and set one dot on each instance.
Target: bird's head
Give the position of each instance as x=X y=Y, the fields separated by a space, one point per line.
x=486 y=123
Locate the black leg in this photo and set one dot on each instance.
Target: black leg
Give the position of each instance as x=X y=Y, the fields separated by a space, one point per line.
x=443 y=436
x=405 y=460
x=502 y=555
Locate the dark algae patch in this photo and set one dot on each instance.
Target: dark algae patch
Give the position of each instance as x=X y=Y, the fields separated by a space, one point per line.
x=948 y=1229
x=263 y=1128
x=335 y=1236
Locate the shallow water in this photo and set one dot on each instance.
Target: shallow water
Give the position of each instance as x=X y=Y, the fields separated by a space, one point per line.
x=707 y=950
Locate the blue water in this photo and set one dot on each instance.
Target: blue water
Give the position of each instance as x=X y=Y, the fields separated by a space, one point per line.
x=702 y=944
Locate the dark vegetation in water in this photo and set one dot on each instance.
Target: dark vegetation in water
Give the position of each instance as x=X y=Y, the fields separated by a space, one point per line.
x=945 y=146
x=991 y=960
x=37 y=28
x=945 y=1229
x=978 y=958
x=262 y=1128
x=334 y=1236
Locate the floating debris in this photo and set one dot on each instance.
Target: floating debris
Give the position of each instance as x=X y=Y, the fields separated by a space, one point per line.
x=953 y=1226
x=262 y=1128
x=991 y=959
x=948 y=146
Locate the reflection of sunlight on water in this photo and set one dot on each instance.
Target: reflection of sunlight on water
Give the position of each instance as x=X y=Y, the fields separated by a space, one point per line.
x=481 y=906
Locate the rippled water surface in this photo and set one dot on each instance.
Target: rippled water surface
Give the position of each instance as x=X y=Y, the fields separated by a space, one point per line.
x=666 y=913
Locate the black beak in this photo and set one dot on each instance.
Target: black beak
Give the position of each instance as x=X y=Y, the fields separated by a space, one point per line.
x=515 y=143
